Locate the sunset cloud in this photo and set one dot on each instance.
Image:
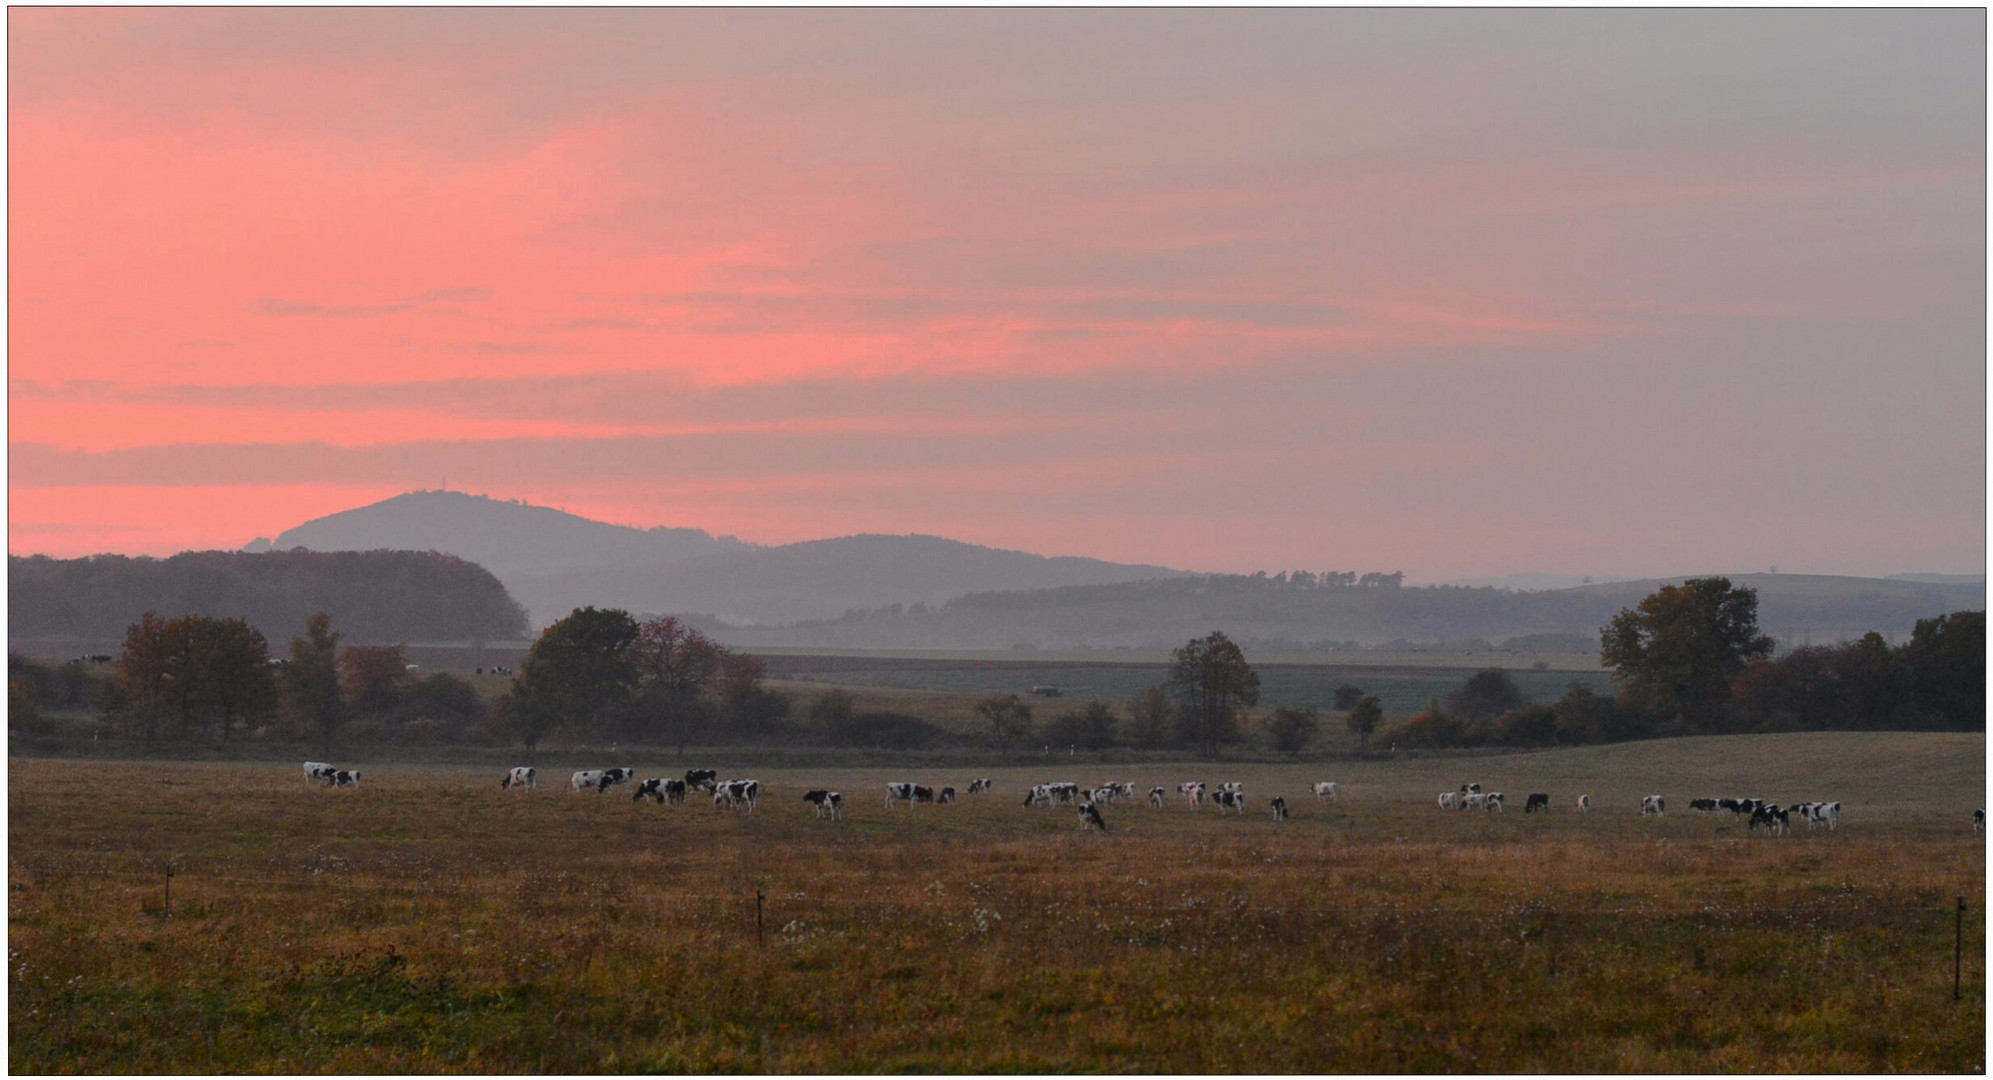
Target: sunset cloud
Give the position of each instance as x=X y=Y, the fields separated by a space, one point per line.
x=1590 y=290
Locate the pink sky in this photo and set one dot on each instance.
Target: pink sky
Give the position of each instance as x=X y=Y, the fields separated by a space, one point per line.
x=1453 y=292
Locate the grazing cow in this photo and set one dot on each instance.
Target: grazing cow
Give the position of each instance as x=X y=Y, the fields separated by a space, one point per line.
x=1103 y=794
x=660 y=789
x=1703 y=806
x=1469 y=789
x=1828 y=814
x=1192 y=792
x=1584 y=804
x=1772 y=819
x=898 y=790
x=1475 y=801
x=318 y=770
x=1536 y=801
x=1279 y=808
x=1158 y=797
x=923 y=793
x=1652 y=804
x=1449 y=800
x=1064 y=792
x=586 y=778
x=1979 y=822
x=737 y=794
x=701 y=779
x=1326 y=790
x=524 y=776
x=343 y=778
x=1226 y=799
x=1090 y=817
x=979 y=784
x=828 y=804
x=947 y=795
x=1124 y=791
x=1494 y=801
x=1236 y=787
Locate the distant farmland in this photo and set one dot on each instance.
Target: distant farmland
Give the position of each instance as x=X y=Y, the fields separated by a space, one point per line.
x=1402 y=689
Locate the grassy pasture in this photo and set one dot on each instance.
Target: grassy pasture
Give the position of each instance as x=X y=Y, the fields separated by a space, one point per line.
x=431 y=922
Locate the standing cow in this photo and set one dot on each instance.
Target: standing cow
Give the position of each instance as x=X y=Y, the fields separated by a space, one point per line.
x=523 y=776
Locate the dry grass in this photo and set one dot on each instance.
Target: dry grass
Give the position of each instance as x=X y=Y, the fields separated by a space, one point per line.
x=431 y=922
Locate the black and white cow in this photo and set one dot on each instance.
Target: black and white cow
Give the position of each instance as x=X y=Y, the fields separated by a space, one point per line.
x=662 y=790
x=1192 y=792
x=1536 y=801
x=1326 y=790
x=981 y=783
x=1703 y=806
x=1584 y=804
x=897 y=791
x=318 y=771
x=737 y=794
x=1770 y=817
x=947 y=795
x=344 y=778
x=524 y=776
x=1125 y=790
x=701 y=779
x=1652 y=804
x=1158 y=797
x=1090 y=817
x=1451 y=800
x=1103 y=794
x=1062 y=793
x=828 y=804
x=599 y=779
x=1279 y=808
x=1229 y=800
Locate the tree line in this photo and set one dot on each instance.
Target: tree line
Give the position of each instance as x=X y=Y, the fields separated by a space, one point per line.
x=1690 y=660
x=374 y=595
x=200 y=677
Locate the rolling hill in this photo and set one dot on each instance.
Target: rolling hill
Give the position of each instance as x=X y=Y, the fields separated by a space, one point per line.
x=509 y=538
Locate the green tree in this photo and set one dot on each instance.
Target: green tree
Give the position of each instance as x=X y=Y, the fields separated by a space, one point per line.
x=311 y=681
x=1347 y=695
x=1364 y=716
x=578 y=674
x=1488 y=694
x=1291 y=730
x=1211 y=681
x=1008 y=718
x=1677 y=654
x=1149 y=719
x=1946 y=657
x=236 y=685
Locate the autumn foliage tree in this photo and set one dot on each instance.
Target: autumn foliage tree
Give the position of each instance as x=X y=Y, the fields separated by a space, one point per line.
x=1676 y=655
x=1211 y=681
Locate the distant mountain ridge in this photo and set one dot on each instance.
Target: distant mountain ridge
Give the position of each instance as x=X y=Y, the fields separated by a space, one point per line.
x=509 y=538
x=823 y=579
x=552 y=561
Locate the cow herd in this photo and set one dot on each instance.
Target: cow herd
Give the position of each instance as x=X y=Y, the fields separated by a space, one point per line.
x=743 y=795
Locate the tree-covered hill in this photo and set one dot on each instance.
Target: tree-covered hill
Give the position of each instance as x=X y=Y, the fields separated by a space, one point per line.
x=373 y=596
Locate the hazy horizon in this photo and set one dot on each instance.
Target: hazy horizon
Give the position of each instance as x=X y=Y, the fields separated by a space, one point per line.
x=1469 y=294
